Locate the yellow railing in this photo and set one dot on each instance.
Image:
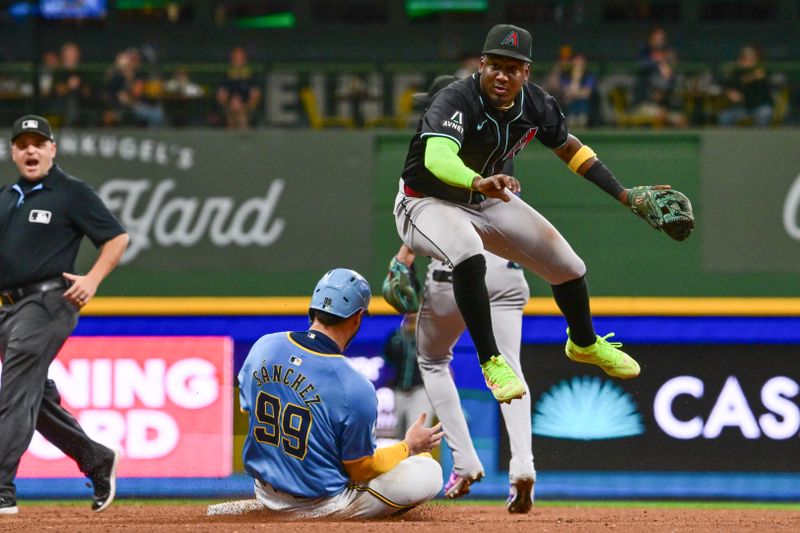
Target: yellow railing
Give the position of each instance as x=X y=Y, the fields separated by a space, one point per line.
x=298 y=305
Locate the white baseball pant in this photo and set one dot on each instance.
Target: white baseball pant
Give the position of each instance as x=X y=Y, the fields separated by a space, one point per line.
x=414 y=481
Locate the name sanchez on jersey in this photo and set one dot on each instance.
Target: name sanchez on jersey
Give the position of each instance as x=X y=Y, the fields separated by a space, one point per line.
x=289 y=377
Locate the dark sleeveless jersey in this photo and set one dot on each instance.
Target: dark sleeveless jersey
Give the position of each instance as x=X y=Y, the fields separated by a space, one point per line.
x=487 y=138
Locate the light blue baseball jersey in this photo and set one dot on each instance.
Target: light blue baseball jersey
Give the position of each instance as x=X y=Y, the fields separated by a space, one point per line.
x=309 y=411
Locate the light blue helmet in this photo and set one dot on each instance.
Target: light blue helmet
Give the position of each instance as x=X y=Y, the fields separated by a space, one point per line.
x=341 y=292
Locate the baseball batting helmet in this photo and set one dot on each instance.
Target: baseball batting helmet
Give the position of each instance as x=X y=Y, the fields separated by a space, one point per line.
x=341 y=292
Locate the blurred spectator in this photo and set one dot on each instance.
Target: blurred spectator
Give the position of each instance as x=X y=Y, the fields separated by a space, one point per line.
x=656 y=83
x=572 y=86
x=469 y=63
x=239 y=93
x=72 y=92
x=747 y=91
x=180 y=94
x=126 y=84
x=179 y=84
x=47 y=69
x=400 y=354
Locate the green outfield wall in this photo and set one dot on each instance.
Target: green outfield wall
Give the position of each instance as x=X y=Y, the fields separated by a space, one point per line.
x=263 y=213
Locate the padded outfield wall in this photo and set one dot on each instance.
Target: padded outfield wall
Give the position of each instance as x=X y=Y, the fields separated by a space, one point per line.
x=262 y=213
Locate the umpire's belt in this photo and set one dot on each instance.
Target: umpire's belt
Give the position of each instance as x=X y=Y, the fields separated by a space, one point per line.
x=445 y=276
x=10 y=296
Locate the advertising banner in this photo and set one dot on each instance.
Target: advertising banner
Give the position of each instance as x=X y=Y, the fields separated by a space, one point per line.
x=221 y=213
x=710 y=407
x=165 y=402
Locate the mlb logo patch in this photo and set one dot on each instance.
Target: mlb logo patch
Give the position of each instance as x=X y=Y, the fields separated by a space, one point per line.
x=296 y=361
x=30 y=124
x=39 y=216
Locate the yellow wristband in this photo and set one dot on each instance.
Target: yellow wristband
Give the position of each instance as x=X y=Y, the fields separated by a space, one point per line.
x=581 y=156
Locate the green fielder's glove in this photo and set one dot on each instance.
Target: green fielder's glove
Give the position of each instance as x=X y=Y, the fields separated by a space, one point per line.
x=401 y=287
x=664 y=209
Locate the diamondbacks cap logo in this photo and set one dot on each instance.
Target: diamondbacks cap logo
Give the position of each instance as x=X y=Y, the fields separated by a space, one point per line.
x=30 y=124
x=511 y=40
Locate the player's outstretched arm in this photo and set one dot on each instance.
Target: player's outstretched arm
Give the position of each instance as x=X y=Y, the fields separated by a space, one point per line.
x=420 y=439
x=659 y=205
x=583 y=161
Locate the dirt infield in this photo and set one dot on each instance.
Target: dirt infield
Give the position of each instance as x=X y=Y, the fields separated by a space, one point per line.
x=447 y=518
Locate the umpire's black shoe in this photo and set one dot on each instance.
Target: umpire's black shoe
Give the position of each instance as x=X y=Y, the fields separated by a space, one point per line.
x=105 y=484
x=8 y=506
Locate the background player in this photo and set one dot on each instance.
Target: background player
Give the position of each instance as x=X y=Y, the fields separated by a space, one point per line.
x=311 y=444
x=410 y=398
x=455 y=202
x=439 y=326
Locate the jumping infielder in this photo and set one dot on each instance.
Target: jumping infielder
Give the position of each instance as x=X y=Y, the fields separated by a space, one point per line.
x=311 y=443
x=439 y=325
x=454 y=202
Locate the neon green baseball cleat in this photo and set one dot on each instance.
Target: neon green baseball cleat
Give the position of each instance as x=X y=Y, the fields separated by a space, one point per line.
x=606 y=355
x=501 y=380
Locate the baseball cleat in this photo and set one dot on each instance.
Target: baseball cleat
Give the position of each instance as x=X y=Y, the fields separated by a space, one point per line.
x=458 y=486
x=606 y=355
x=8 y=506
x=501 y=380
x=520 y=496
x=105 y=484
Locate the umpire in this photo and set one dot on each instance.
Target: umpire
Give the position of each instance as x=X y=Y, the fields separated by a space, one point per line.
x=43 y=218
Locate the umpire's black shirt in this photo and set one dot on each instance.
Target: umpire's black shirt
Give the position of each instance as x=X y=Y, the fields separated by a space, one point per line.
x=487 y=138
x=42 y=224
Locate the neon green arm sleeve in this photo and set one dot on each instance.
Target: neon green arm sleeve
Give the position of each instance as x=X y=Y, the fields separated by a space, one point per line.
x=441 y=158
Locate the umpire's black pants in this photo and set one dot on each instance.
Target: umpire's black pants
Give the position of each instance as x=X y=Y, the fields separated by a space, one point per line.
x=32 y=332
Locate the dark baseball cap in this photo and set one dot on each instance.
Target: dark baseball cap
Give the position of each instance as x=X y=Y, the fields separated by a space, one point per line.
x=510 y=41
x=437 y=85
x=31 y=124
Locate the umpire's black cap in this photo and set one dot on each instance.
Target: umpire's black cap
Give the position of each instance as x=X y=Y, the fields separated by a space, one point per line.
x=31 y=124
x=424 y=99
x=510 y=41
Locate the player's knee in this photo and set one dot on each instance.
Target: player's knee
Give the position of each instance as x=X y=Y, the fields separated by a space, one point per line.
x=472 y=263
x=428 y=476
x=434 y=365
x=572 y=270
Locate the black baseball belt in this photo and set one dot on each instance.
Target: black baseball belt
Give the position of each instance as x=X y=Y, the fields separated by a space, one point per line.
x=10 y=296
x=444 y=276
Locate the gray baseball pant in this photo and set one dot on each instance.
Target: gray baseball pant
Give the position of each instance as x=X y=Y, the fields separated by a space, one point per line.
x=439 y=325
